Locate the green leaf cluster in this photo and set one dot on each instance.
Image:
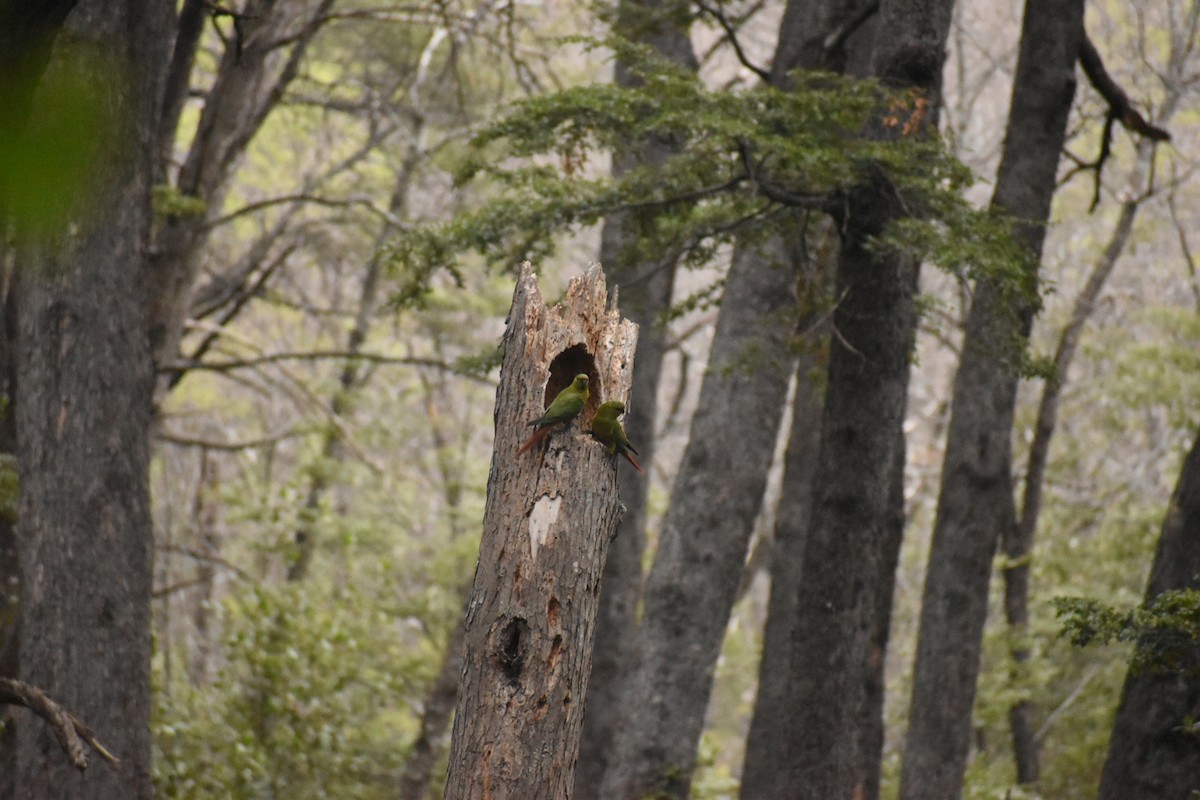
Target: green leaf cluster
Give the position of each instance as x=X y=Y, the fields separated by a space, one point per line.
x=737 y=165
x=308 y=703
x=1166 y=629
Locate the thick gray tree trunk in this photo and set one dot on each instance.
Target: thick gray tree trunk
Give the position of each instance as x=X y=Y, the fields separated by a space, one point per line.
x=854 y=527
x=764 y=775
x=804 y=42
x=550 y=515
x=83 y=420
x=645 y=297
x=10 y=573
x=976 y=501
x=702 y=546
x=1152 y=756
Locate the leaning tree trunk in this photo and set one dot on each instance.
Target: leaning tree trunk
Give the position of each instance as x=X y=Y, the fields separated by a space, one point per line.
x=83 y=423
x=1154 y=753
x=976 y=501
x=550 y=515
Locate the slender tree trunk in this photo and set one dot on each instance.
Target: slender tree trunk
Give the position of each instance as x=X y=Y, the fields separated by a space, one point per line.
x=253 y=74
x=696 y=573
x=1152 y=754
x=702 y=546
x=763 y=777
x=1018 y=548
x=645 y=291
x=853 y=527
x=550 y=515
x=83 y=421
x=436 y=713
x=976 y=502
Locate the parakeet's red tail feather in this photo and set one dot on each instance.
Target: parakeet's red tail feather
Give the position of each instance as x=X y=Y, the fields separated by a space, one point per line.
x=538 y=435
x=636 y=465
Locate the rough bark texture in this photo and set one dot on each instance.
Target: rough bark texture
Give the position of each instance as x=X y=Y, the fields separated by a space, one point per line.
x=10 y=573
x=83 y=421
x=702 y=546
x=853 y=528
x=1150 y=756
x=550 y=515
x=976 y=503
x=646 y=296
x=836 y=37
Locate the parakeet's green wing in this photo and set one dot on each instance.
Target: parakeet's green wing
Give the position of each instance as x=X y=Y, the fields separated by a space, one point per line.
x=561 y=410
x=566 y=405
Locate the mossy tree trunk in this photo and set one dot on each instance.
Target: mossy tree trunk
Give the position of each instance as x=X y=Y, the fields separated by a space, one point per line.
x=551 y=513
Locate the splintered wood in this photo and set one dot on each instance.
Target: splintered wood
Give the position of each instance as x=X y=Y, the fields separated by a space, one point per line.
x=550 y=515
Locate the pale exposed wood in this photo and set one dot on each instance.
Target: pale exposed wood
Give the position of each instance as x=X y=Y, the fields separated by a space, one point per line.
x=550 y=515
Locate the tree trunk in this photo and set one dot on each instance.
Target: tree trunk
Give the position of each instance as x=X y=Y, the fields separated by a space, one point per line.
x=10 y=572
x=853 y=530
x=550 y=515
x=1019 y=547
x=763 y=777
x=435 y=719
x=702 y=547
x=255 y=70
x=646 y=296
x=83 y=422
x=805 y=41
x=1152 y=756
x=976 y=501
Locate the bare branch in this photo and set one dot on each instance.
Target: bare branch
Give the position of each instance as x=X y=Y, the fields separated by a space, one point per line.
x=731 y=34
x=307 y=355
x=1120 y=109
x=838 y=36
x=230 y=447
x=200 y=555
x=1119 y=103
x=305 y=197
x=68 y=729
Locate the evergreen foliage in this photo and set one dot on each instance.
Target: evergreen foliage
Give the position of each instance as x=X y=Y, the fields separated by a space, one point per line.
x=742 y=162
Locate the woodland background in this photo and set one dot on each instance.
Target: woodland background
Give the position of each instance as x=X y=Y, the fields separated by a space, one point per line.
x=305 y=424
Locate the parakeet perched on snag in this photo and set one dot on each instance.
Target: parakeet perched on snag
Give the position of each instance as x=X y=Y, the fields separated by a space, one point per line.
x=566 y=407
x=607 y=428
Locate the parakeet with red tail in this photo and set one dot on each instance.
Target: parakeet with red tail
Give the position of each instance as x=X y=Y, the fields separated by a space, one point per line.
x=607 y=428
x=566 y=407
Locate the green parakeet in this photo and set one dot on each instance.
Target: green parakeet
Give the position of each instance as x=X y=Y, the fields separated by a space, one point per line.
x=607 y=428
x=566 y=407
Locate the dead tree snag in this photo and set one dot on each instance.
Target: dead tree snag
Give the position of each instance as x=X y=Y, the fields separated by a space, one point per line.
x=550 y=515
